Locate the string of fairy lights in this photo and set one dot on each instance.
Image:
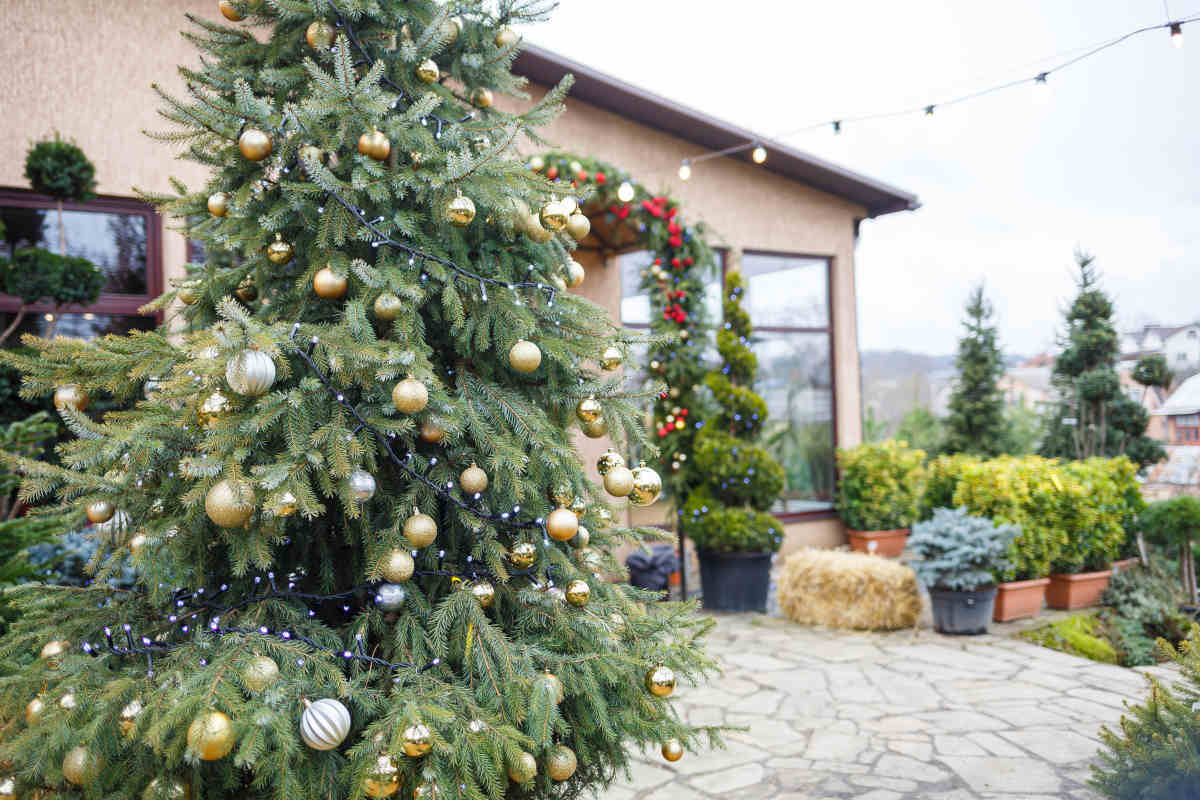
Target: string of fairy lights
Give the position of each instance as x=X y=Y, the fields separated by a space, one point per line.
x=1039 y=80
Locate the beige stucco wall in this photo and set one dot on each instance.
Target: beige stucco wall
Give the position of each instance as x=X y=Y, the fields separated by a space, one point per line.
x=86 y=70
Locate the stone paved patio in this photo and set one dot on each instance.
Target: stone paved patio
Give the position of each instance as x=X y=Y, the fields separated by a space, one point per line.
x=892 y=716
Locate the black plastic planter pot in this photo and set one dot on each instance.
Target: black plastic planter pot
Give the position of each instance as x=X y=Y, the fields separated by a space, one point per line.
x=962 y=613
x=735 y=581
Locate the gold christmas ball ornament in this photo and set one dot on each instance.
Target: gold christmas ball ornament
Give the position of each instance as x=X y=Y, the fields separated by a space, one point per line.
x=410 y=396
x=230 y=503
x=473 y=479
x=575 y=273
x=427 y=791
x=522 y=555
x=588 y=409
x=610 y=460
x=100 y=511
x=388 y=307
x=320 y=35
x=230 y=11
x=594 y=429
x=562 y=524
x=260 y=673
x=329 y=285
x=484 y=592
x=451 y=28
x=139 y=541
x=68 y=702
x=218 y=204
x=8 y=789
x=660 y=681
x=286 y=505
x=383 y=780
x=553 y=216
x=53 y=651
x=570 y=204
x=250 y=373
x=431 y=432
x=612 y=358
x=215 y=406
x=561 y=763
x=578 y=593
x=397 y=566
x=562 y=494
x=72 y=396
x=375 y=144
x=34 y=710
x=557 y=282
x=481 y=97
x=427 y=71
x=279 y=252
x=310 y=154
x=582 y=537
x=128 y=718
x=324 y=724
x=535 y=231
x=524 y=356
x=167 y=789
x=254 y=144
x=646 y=486
x=579 y=226
x=672 y=750
x=506 y=37
x=361 y=485
x=210 y=736
x=553 y=686
x=524 y=769
x=420 y=529
x=460 y=211
x=417 y=742
x=605 y=517
x=80 y=766
x=246 y=291
x=578 y=507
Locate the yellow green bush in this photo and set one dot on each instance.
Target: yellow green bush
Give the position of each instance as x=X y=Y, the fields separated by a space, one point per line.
x=881 y=485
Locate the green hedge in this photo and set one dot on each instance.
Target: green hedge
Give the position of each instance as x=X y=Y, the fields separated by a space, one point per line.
x=881 y=485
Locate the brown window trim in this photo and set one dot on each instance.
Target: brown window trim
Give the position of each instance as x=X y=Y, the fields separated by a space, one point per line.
x=115 y=304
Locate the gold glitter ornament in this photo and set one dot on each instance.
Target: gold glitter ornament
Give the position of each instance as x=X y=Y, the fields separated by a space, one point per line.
x=482 y=97
x=246 y=291
x=383 y=780
x=410 y=396
x=230 y=503
x=588 y=409
x=319 y=35
x=561 y=524
x=215 y=406
x=417 y=741
x=473 y=480
x=420 y=529
x=619 y=481
x=451 y=28
x=397 y=566
x=168 y=789
x=460 y=210
x=561 y=763
x=388 y=307
x=72 y=396
x=524 y=356
x=286 y=505
x=522 y=555
x=611 y=459
x=260 y=673
x=524 y=769
x=660 y=681
x=210 y=736
x=80 y=766
x=329 y=285
x=427 y=71
x=612 y=358
x=254 y=144
x=34 y=710
x=672 y=750
x=53 y=651
x=127 y=721
x=218 y=204
x=578 y=593
x=484 y=592
x=100 y=511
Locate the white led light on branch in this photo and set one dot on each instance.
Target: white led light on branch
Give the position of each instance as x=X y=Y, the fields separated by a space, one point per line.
x=625 y=192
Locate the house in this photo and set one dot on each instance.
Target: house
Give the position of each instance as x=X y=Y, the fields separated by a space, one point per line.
x=96 y=89
x=1180 y=344
x=1182 y=414
x=1028 y=383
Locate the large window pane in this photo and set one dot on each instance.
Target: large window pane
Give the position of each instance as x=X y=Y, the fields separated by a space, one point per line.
x=795 y=379
x=786 y=291
x=114 y=242
x=635 y=302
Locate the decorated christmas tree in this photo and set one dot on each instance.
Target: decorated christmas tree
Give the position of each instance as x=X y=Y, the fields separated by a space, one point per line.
x=369 y=561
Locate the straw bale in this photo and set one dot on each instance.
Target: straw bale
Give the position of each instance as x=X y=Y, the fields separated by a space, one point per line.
x=848 y=590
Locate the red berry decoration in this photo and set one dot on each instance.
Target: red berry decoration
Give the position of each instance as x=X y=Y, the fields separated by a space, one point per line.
x=552 y=173
x=601 y=177
x=581 y=176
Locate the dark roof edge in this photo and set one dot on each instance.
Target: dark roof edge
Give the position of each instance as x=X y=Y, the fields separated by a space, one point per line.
x=547 y=68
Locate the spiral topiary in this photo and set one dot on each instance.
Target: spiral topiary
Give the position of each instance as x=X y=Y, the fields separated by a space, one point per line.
x=728 y=511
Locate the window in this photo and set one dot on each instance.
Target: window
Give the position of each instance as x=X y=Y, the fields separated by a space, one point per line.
x=788 y=301
x=1187 y=428
x=1181 y=356
x=121 y=237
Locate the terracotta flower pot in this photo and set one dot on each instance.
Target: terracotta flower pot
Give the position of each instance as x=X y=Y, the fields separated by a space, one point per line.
x=1019 y=599
x=882 y=543
x=1125 y=563
x=1077 y=591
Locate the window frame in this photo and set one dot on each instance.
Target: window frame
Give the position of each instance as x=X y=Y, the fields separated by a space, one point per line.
x=108 y=302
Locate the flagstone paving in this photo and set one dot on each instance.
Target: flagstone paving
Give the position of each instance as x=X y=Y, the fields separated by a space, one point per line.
x=912 y=714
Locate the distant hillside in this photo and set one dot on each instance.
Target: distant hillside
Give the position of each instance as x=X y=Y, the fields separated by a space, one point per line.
x=901 y=363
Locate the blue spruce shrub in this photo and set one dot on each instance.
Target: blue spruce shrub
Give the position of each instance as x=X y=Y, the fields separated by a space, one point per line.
x=959 y=552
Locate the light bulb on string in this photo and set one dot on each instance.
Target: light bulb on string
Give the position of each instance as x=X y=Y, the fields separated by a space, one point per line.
x=759 y=154
x=1041 y=87
x=837 y=126
x=1177 y=35
x=929 y=110
x=685 y=170
x=625 y=192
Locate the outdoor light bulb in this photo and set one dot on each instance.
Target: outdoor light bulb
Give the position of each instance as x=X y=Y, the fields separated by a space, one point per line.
x=625 y=192
x=685 y=171
x=929 y=111
x=1176 y=34
x=759 y=154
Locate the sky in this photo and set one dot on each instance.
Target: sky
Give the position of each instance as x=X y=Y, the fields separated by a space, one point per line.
x=1010 y=184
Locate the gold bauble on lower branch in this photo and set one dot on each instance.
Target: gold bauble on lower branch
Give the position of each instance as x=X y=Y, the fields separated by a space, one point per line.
x=68 y=702
x=557 y=282
x=473 y=480
x=575 y=273
x=484 y=592
x=506 y=37
x=460 y=211
x=579 y=226
x=553 y=216
x=188 y=292
x=53 y=651
x=230 y=502
x=562 y=524
x=397 y=566
x=254 y=144
x=410 y=396
x=578 y=507
x=660 y=681
x=534 y=230
x=588 y=409
x=246 y=291
x=481 y=97
x=523 y=769
x=416 y=741
x=427 y=790
x=229 y=11
x=34 y=710
x=320 y=35
x=72 y=396
x=578 y=593
x=310 y=153
x=280 y=252
x=420 y=529
x=260 y=673
x=451 y=28
x=570 y=205
x=167 y=789
x=213 y=407
x=388 y=306
x=523 y=554
x=582 y=537
x=218 y=204
x=646 y=486
x=375 y=144
x=128 y=718
x=524 y=356
x=383 y=781
x=431 y=432
x=561 y=763
x=672 y=750
x=594 y=429
x=100 y=511
x=612 y=358
x=427 y=71
x=285 y=505
x=554 y=686
x=80 y=766
x=329 y=285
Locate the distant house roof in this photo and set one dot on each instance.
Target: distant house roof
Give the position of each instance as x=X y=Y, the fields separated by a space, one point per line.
x=708 y=133
x=1151 y=332
x=1184 y=400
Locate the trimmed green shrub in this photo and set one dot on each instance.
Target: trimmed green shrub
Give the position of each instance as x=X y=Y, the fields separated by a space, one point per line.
x=1101 y=499
x=881 y=485
x=959 y=552
x=35 y=274
x=58 y=168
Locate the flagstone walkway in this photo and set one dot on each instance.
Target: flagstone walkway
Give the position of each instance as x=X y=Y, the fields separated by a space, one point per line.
x=890 y=716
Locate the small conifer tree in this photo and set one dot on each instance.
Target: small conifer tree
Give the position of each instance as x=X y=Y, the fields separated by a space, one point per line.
x=976 y=423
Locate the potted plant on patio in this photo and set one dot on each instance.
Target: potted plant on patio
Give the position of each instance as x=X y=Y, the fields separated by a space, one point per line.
x=879 y=494
x=727 y=515
x=1176 y=523
x=956 y=559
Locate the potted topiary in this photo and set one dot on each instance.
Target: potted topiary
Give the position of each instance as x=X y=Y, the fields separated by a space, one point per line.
x=879 y=494
x=1175 y=523
x=957 y=556
x=727 y=514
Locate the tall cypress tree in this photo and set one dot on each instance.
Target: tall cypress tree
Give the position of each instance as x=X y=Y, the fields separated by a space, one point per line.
x=976 y=423
x=1092 y=416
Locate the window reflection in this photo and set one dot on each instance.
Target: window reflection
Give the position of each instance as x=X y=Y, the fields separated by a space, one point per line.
x=114 y=242
x=786 y=291
x=87 y=325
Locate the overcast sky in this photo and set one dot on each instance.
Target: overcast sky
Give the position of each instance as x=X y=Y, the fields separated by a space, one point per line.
x=1110 y=160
